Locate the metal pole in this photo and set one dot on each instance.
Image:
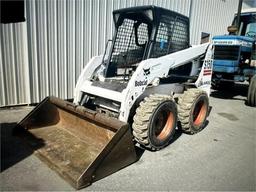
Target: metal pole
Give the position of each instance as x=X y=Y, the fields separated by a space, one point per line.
x=190 y=18
x=239 y=14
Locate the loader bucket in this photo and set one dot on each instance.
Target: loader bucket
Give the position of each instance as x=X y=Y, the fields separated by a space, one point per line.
x=81 y=145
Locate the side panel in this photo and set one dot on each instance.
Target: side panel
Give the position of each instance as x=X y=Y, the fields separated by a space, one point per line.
x=86 y=75
x=149 y=71
x=204 y=80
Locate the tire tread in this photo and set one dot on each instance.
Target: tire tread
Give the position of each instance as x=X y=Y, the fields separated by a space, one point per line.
x=185 y=104
x=141 y=119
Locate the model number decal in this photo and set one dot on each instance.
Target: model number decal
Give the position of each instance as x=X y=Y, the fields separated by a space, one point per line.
x=208 y=64
x=201 y=83
x=141 y=83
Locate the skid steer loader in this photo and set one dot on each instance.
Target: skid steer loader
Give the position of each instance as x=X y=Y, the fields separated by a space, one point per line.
x=148 y=81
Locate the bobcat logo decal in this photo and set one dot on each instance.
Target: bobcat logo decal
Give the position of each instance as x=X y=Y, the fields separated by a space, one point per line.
x=146 y=71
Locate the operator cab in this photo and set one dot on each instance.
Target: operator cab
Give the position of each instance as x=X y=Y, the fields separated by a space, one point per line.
x=141 y=33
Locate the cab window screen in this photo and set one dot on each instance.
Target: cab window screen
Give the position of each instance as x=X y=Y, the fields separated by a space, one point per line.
x=172 y=36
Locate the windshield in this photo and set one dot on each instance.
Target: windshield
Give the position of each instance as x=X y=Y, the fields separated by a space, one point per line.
x=132 y=37
x=247 y=25
x=251 y=30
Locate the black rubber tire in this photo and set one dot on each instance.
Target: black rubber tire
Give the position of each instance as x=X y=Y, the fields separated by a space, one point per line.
x=251 y=95
x=155 y=121
x=193 y=106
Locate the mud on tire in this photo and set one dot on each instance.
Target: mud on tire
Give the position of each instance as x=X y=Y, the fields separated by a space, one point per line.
x=155 y=121
x=193 y=107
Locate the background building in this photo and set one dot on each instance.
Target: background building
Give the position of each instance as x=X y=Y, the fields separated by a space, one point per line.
x=45 y=54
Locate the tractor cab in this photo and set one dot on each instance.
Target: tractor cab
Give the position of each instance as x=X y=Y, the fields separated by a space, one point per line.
x=234 y=54
x=141 y=33
x=247 y=25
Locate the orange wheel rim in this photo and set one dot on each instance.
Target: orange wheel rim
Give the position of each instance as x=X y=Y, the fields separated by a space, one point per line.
x=167 y=127
x=199 y=113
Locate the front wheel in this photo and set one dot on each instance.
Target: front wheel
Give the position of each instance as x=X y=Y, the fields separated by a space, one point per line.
x=155 y=121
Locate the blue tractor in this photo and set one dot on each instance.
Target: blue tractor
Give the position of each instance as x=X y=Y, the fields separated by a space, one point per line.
x=235 y=55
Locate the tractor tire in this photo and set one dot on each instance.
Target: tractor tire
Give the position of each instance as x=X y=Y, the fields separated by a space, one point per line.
x=251 y=95
x=193 y=107
x=155 y=121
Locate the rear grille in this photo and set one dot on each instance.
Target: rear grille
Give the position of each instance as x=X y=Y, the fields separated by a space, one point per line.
x=226 y=52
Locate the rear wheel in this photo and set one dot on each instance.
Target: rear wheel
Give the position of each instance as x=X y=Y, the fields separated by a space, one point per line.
x=192 y=110
x=251 y=95
x=155 y=121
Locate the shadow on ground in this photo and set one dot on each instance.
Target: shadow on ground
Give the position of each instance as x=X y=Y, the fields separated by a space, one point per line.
x=12 y=148
x=231 y=92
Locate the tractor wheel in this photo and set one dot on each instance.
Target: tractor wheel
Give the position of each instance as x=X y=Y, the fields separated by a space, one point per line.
x=251 y=96
x=155 y=121
x=192 y=110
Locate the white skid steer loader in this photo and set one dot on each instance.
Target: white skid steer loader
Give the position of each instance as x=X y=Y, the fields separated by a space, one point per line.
x=147 y=81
